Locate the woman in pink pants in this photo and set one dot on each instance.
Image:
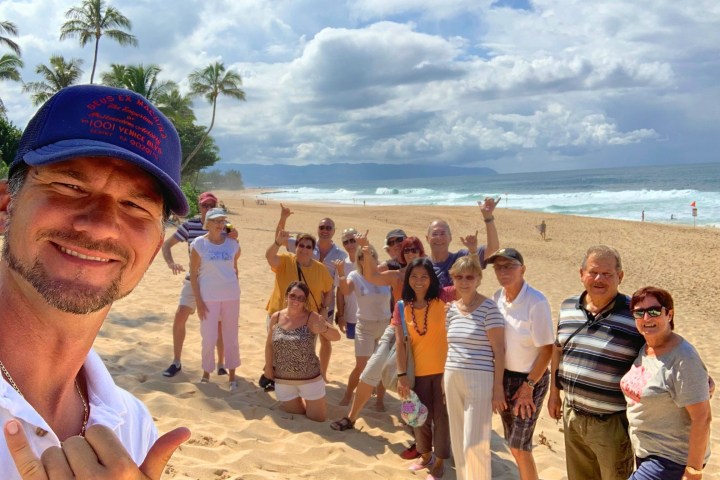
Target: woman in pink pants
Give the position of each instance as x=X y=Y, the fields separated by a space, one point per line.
x=214 y=279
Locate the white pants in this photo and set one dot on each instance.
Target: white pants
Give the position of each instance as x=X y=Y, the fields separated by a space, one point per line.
x=468 y=394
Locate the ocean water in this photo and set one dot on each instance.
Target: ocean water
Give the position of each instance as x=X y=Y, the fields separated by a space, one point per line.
x=663 y=192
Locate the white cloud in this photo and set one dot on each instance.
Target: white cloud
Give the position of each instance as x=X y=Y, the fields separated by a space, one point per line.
x=460 y=81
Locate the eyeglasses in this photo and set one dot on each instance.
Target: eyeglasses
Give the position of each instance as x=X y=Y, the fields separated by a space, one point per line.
x=394 y=241
x=326 y=227
x=469 y=278
x=655 y=311
x=297 y=298
x=208 y=205
x=307 y=246
x=411 y=250
x=507 y=266
x=349 y=241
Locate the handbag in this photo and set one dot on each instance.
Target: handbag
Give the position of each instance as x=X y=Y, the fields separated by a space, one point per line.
x=389 y=371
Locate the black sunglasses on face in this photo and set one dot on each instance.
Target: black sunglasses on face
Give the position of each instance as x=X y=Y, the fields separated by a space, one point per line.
x=394 y=241
x=411 y=250
x=326 y=227
x=348 y=241
x=307 y=246
x=655 y=311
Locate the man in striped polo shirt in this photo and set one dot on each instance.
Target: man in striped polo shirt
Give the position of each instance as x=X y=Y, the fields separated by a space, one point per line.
x=596 y=344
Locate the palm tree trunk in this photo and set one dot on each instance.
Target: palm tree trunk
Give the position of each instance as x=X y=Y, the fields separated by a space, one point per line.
x=92 y=74
x=202 y=140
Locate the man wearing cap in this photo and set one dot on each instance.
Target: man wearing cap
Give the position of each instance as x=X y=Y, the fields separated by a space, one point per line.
x=187 y=232
x=326 y=252
x=528 y=348
x=439 y=238
x=96 y=173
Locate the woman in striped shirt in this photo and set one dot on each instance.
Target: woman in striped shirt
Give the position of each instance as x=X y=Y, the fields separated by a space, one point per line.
x=473 y=370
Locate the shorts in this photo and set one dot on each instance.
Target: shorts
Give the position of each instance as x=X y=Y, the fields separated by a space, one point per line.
x=372 y=374
x=519 y=431
x=187 y=296
x=654 y=467
x=350 y=330
x=368 y=333
x=313 y=390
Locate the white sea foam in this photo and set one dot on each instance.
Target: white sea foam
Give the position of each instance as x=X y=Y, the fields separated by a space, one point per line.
x=658 y=205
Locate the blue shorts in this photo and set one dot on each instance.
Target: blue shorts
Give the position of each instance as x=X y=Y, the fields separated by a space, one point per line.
x=350 y=330
x=653 y=467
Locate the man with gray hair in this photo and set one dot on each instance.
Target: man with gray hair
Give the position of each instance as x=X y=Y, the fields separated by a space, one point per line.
x=596 y=344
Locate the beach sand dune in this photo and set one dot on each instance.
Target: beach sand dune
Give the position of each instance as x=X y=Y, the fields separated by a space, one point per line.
x=245 y=435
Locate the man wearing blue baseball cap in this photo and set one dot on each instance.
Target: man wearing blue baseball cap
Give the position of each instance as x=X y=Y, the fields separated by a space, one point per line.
x=97 y=171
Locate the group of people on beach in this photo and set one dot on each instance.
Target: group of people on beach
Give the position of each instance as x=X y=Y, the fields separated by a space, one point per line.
x=83 y=215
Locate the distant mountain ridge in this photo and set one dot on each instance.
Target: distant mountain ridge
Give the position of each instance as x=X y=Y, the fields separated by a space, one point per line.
x=277 y=175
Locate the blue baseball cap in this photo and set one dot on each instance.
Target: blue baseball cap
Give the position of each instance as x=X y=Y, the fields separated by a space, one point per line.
x=100 y=121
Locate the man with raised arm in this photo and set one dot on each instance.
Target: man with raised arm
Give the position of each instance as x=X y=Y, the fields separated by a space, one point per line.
x=439 y=238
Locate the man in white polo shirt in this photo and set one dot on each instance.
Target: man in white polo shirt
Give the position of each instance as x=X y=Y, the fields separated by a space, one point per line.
x=528 y=347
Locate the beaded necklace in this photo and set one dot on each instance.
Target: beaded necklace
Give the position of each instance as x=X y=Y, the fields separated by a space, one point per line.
x=425 y=328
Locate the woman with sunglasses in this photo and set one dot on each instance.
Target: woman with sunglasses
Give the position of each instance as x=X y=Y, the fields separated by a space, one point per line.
x=424 y=315
x=215 y=285
x=473 y=371
x=667 y=395
x=290 y=358
x=371 y=375
x=373 y=312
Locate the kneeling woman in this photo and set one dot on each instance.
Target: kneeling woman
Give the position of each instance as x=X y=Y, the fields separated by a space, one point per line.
x=290 y=357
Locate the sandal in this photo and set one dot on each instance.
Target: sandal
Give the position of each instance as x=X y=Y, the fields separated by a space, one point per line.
x=343 y=424
x=417 y=466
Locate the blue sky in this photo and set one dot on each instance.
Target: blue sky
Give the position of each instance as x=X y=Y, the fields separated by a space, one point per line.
x=512 y=85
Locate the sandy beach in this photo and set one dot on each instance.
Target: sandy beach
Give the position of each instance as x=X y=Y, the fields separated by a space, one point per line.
x=245 y=435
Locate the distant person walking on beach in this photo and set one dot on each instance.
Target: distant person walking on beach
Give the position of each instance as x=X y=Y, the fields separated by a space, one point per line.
x=214 y=280
x=187 y=232
x=439 y=238
x=543 y=229
x=642 y=216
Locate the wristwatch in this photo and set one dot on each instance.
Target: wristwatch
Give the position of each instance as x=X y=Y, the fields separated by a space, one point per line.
x=530 y=383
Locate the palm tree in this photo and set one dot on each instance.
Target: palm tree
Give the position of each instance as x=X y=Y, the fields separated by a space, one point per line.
x=9 y=28
x=10 y=66
x=177 y=107
x=58 y=75
x=139 y=79
x=92 y=20
x=211 y=82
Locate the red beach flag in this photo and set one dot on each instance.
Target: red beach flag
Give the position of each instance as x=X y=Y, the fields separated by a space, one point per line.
x=692 y=204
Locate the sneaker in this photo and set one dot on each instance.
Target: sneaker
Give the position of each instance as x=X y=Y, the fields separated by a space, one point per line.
x=222 y=371
x=410 y=453
x=233 y=386
x=172 y=370
x=204 y=380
